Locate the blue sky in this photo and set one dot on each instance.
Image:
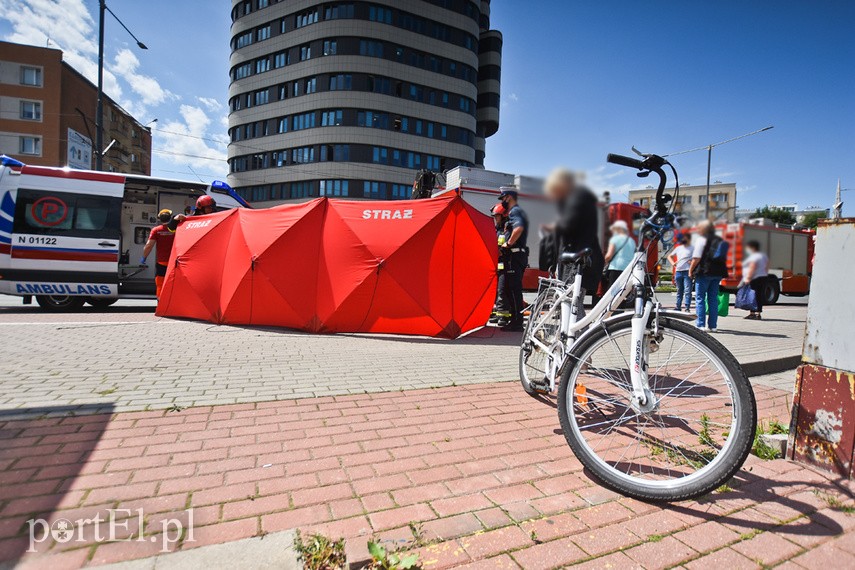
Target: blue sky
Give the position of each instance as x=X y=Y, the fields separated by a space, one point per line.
x=580 y=79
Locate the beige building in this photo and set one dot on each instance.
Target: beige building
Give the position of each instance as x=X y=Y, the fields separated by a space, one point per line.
x=47 y=115
x=691 y=200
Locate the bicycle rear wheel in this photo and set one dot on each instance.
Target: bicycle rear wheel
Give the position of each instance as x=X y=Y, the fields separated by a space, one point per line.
x=695 y=437
x=534 y=361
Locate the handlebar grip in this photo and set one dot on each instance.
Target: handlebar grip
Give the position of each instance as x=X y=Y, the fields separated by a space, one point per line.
x=626 y=161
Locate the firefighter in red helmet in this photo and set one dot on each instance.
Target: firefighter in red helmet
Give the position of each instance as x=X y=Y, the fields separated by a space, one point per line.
x=205 y=205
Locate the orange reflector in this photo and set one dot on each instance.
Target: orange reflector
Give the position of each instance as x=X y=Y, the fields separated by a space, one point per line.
x=581 y=395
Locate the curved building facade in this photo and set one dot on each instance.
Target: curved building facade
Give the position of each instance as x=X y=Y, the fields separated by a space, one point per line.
x=352 y=98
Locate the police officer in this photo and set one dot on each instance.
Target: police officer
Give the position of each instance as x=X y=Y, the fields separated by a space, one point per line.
x=503 y=232
x=516 y=246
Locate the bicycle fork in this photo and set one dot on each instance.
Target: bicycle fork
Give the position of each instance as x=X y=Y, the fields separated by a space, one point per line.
x=642 y=399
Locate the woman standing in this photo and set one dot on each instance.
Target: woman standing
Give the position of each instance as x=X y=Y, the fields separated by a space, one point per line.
x=755 y=270
x=620 y=252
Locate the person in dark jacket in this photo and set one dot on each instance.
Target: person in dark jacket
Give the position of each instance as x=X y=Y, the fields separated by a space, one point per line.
x=577 y=226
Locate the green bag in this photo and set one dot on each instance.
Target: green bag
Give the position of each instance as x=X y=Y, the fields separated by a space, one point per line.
x=723 y=304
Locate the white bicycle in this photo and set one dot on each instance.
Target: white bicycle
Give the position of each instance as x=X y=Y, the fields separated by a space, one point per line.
x=654 y=407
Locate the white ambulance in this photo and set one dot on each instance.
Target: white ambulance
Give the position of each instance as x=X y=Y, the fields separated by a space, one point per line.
x=69 y=237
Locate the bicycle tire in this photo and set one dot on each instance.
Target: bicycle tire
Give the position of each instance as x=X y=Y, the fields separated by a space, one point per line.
x=725 y=467
x=540 y=305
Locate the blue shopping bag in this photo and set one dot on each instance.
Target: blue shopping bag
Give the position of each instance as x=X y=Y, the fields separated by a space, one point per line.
x=746 y=298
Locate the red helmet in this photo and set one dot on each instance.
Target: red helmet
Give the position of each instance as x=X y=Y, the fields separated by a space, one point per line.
x=205 y=202
x=499 y=210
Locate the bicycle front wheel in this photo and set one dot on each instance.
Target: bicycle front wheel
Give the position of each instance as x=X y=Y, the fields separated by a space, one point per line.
x=690 y=439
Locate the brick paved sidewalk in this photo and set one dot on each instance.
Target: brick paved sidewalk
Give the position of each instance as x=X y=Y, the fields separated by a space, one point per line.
x=481 y=469
x=53 y=364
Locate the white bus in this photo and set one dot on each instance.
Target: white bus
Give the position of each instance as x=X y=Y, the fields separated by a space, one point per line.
x=69 y=237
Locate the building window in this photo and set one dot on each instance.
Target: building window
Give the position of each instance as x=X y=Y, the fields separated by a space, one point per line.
x=262 y=65
x=374 y=190
x=371 y=48
x=31 y=145
x=305 y=52
x=303 y=155
x=242 y=71
x=263 y=4
x=400 y=192
x=306 y=18
x=283 y=125
x=380 y=155
x=263 y=33
x=330 y=47
x=261 y=97
x=280 y=60
x=379 y=14
x=301 y=189
x=335 y=153
x=243 y=40
x=31 y=111
x=303 y=121
x=31 y=76
x=311 y=85
x=279 y=158
x=331 y=118
x=333 y=188
x=337 y=11
x=341 y=82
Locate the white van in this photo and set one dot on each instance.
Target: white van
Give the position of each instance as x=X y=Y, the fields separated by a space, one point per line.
x=69 y=237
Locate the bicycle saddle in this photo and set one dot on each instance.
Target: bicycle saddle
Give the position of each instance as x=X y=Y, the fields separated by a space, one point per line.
x=576 y=257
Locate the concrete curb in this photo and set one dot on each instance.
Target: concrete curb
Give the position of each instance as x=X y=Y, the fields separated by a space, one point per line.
x=274 y=551
x=773 y=366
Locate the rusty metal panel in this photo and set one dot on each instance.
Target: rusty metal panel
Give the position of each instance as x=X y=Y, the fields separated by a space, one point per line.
x=824 y=419
x=830 y=334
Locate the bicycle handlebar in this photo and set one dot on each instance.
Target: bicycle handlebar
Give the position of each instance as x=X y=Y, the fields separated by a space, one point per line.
x=651 y=163
x=625 y=161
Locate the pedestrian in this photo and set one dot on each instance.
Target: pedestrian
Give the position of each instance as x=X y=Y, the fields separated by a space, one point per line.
x=162 y=237
x=708 y=267
x=501 y=310
x=620 y=251
x=755 y=272
x=517 y=250
x=577 y=227
x=682 y=259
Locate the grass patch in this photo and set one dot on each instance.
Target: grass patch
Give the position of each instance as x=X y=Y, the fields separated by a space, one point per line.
x=317 y=552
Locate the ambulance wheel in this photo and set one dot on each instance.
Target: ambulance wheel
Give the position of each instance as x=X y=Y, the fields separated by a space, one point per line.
x=101 y=302
x=60 y=302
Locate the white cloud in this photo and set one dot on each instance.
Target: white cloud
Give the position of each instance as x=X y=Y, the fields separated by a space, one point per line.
x=514 y=97
x=210 y=103
x=187 y=141
x=125 y=65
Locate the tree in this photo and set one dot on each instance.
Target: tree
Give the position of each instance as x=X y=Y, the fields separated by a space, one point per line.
x=775 y=214
x=812 y=220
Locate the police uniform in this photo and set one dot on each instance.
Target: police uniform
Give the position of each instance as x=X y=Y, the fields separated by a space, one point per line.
x=517 y=218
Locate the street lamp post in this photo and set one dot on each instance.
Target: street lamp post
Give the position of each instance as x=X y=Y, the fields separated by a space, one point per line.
x=99 y=113
x=709 y=148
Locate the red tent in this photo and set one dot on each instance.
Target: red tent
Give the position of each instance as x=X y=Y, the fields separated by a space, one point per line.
x=425 y=267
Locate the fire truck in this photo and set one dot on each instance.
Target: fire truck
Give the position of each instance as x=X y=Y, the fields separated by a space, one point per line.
x=790 y=254
x=67 y=237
